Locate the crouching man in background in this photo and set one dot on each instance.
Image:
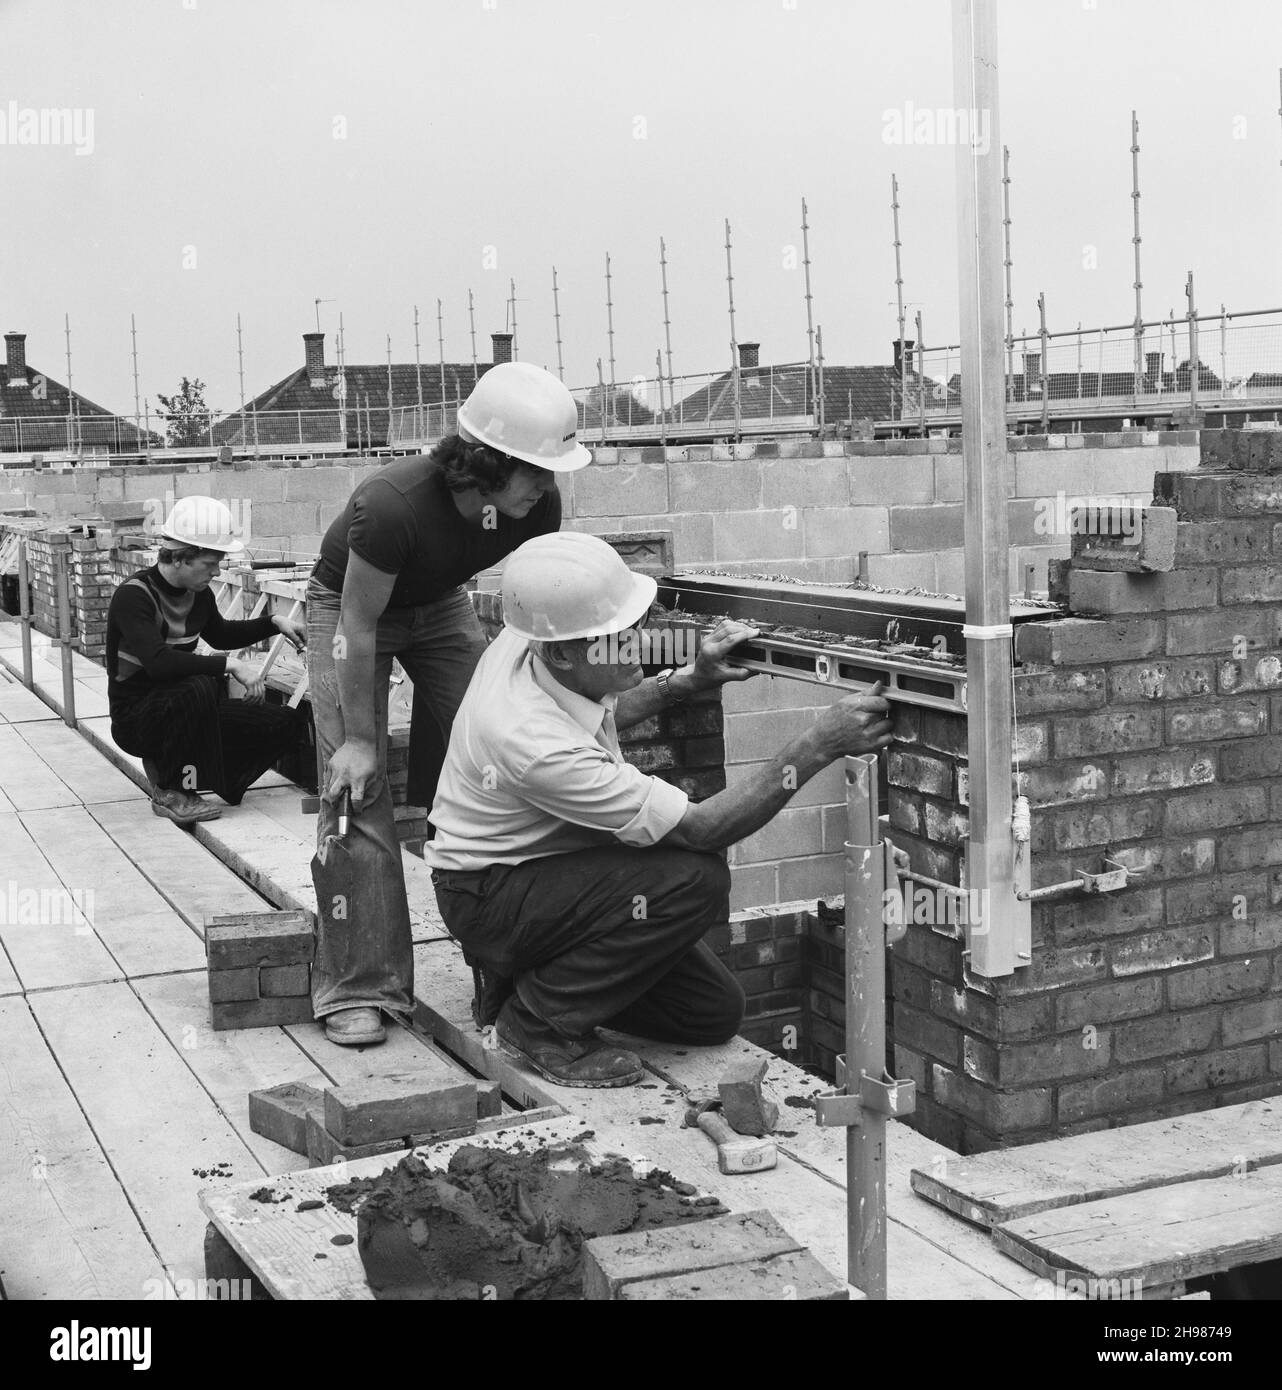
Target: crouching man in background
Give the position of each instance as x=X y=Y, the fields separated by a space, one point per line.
x=583 y=886
x=168 y=705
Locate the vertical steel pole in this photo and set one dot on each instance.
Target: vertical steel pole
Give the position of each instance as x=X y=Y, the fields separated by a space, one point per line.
x=1010 y=303
x=240 y=368
x=921 y=375
x=1044 y=343
x=819 y=352
x=512 y=288
x=1193 y=362
x=811 y=382
x=1135 y=241
x=600 y=376
x=734 y=346
x=556 y=314
x=609 y=327
x=471 y=319
x=1224 y=356
x=65 y=639
x=71 y=400
x=667 y=326
x=663 y=419
x=133 y=337
x=865 y=1028
x=899 y=299
x=419 y=431
x=440 y=343
x=1001 y=933
x=24 y=610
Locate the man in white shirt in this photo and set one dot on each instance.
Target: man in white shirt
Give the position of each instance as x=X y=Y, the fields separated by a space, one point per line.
x=568 y=872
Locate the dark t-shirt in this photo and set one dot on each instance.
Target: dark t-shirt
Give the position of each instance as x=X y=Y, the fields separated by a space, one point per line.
x=403 y=521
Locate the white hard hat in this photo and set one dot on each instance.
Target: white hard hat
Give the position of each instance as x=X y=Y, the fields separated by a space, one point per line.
x=204 y=522
x=521 y=410
x=570 y=584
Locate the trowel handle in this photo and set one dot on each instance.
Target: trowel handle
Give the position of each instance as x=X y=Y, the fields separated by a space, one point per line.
x=344 y=812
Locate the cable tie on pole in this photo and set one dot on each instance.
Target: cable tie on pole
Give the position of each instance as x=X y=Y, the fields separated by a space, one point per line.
x=987 y=633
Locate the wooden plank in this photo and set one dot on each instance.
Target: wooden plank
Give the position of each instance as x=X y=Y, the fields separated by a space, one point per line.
x=192 y=880
x=167 y=1139
x=69 y=1230
x=926 y=1247
x=1160 y=1236
x=139 y=928
x=45 y=953
x=228 y=1064
x=403 y=1050
x=29 y=783
x=998 y=1187
x=79 y=765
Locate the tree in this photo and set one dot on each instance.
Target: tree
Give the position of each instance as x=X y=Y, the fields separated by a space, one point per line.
x=186 y=415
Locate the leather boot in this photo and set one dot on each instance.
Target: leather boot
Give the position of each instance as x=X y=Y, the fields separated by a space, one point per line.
x=585 y=1062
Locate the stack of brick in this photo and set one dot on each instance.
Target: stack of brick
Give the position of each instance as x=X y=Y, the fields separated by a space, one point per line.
x=91 y=584
x=260 y=967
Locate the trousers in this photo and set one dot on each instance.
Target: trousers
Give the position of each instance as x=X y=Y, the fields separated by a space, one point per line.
x=606 y=937
x=438 y=644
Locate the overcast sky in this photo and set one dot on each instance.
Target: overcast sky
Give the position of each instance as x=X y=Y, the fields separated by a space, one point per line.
x=483 y=140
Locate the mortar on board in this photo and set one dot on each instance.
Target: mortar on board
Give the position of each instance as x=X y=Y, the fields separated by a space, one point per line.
x=500 y=1225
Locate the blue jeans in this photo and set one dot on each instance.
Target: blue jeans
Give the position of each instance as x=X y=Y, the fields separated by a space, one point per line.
x=367 y=961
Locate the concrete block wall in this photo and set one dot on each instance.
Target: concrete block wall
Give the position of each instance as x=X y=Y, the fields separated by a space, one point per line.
x=806 y=509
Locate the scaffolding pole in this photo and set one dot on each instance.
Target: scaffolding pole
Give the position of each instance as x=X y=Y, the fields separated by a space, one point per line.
x=1001 y=937
x=1010 y=302
x=899 y=298
x=471 y=322
x=71 y=399
x=609 y=323
x=667 y=326
x=512 y=291
x=440 y=344
x=556 y=315
x=734 y=346
x=418 y=376
x=133 y=339
x=1135 y=241
x=812 y=381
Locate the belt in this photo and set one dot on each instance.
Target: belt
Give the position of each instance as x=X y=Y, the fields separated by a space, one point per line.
x=325 y=573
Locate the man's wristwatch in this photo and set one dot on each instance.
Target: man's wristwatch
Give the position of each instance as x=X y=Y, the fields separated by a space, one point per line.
x=670 y=696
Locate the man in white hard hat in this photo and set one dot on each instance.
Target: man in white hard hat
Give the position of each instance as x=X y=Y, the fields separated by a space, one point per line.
x=389 y=584
x=166 y=699
x=565 y=871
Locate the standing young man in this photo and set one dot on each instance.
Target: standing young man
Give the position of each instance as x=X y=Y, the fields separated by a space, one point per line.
x=388 y=584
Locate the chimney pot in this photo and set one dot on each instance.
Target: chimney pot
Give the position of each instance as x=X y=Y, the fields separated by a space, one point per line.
x=749 y=354
x=501 y=344
x=314 y=348
x=15 y=351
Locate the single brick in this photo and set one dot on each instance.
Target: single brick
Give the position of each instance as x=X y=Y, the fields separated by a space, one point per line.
x=1107 y=1003
x=1158 y=1037
x=1217 y=897
x=1091 y=592
x=1066 y=782
x=1085 y=641
x=906 y=767
x=284 y=981
x=1163 y=771
x=1251 y=849
x=1109 y=1095
x=323 y=1149
x=434 y=1096
x=1106 y=823
x=1115 y=731
x=612 y=1262
x=1219 y=632
x=1161 y=680
x=1075 y=1054
x=1251 y=584
x=1200 y=542
x=280 y=1113
x=1245 y=717
x=259 y=938
x=1127 y=539
x=1162 y=950
x=1263 y=933
x=998 y=1111
x=1216 y=1069
x=928 y=1035
x=1212 y=984
x=1045 y=692
x=260 y=1013
x=226 y=986
x=1254 y=673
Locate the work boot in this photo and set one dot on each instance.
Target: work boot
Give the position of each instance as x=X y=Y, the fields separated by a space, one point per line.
x=184 y=808
x=585 y=1062
x=354 y=1027
x=490 y=992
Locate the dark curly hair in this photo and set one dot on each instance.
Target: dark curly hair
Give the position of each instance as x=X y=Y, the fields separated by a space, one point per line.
x=471 y=465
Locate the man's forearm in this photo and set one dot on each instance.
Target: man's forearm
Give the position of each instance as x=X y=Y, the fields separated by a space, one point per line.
x=739 y=811
x=354 y=672
x=646 y=699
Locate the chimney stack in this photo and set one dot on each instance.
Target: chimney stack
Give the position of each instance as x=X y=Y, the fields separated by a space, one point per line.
x=749 y=353
x=314 y=345
x=501 y=344
x=902 y=351
x=15 y=351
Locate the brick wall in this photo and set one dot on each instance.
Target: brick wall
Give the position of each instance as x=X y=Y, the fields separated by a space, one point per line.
x=1149 y=726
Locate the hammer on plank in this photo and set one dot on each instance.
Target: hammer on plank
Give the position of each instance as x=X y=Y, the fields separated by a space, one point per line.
x=736 y=1153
